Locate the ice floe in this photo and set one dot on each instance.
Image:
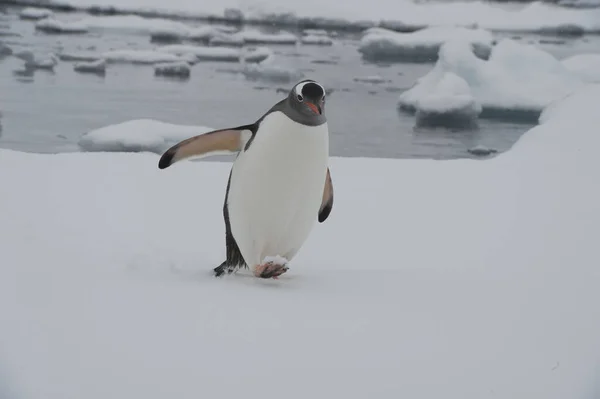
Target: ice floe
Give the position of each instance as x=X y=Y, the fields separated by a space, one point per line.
x=138 y=135
x=173 y=69
x=52 y=25
x=225 y=54
x=379 y=44
x=35 y=13
x=316 y=40
x=143 y=57
x=271 y=71
x=254 y=37
x=375 y=79
x=517 y=81
x=449 y=103
x=96 y=67
x=586 y=66
x=37 y=60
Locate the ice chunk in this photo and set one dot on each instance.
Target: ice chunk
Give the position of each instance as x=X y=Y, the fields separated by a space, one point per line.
x=517 y=81
x=173 y=69
x=178 y=33
x=96 y=67
x=450 y=103
x=35 y=13
x=140 y=56
x=138 y=135
x=318 y=40
x=253 y=37
x=380 y=44
x=271 y=73
x=481 y=151
x=586 y=66
x=86 y=56
x=37 y=61
x=371 y=79
x=51 y=25
x=218 y=53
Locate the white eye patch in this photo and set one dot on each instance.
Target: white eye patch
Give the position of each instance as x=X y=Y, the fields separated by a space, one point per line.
x=300 y=87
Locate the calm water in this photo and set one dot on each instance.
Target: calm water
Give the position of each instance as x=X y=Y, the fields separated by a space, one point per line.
x=49 y=111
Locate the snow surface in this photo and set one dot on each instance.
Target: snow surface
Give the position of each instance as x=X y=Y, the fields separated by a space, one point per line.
x=586 y=66
x=491 y=292
x=450 y=102
x=173 y=69
x=35 y=13
x=138 y=135
x=518 y=78
x=531 y=17
x=422 y=45
x=251 y=54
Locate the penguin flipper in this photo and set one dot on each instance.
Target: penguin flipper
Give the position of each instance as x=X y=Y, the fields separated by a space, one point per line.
x=327 y=201
x=216 y=142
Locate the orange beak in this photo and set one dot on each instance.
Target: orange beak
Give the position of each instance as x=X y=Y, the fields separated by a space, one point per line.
x=314 y=108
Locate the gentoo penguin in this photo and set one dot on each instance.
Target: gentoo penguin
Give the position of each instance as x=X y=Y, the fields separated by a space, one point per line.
x=279 y=183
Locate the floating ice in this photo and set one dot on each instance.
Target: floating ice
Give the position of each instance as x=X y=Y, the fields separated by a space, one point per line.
x=254 y=37
x=481 y=151
x=224 y=54
x=37 y=61
x=317 y=40
x=271 y=73
x=449 y=103
x=586 y=66
x=141 y=57
x=51 y=25
x=379 y=44
x=35 y=13
x=138 y=135
x=517 y=81
x=96 y=67
x=375 y=79
x=85 y=56
x=177 y=34
x=173 y=69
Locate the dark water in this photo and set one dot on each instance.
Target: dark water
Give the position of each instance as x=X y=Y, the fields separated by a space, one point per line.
x=49 y=111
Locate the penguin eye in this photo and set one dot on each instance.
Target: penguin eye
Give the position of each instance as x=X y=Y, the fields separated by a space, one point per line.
x=300 y=98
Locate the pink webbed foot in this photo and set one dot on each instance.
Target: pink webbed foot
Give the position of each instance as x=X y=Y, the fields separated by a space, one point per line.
x=270 y=269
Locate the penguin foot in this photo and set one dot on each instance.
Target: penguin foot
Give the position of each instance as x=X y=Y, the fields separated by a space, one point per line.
x=270 y=270
x=224 y=268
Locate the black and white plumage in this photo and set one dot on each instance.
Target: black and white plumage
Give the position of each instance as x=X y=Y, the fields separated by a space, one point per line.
x=279 y=184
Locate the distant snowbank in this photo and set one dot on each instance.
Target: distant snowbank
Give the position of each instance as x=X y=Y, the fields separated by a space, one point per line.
x=379 y=44
x=517 y=81
x=138 y=135
x=533 y=17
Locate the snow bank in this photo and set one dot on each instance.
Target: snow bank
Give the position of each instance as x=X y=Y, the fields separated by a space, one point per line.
x=35 y=13
x=517 y=81
x=379 y=44
x=173 y=69
x=96 y=67
x=531 y=17
x=225 y=54
x=51 y=25
x=449 y=103
x=138 y=135
x=586 y=66
x=490 y=292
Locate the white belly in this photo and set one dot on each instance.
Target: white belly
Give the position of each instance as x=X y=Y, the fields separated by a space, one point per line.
x=276 y=188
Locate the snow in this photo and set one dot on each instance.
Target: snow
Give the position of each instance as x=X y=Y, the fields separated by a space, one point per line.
x=51 y=25
x=251 y=54
x=530 y=17
x=97 y=67
x=35 y=13
x=449 y=103
x=586 y=66
x=471 y=279
x=138 y=135
x=173 y=69
x=518 y=79
x=422 y=45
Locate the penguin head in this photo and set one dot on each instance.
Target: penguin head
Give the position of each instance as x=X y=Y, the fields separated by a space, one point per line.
x=306 y=103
